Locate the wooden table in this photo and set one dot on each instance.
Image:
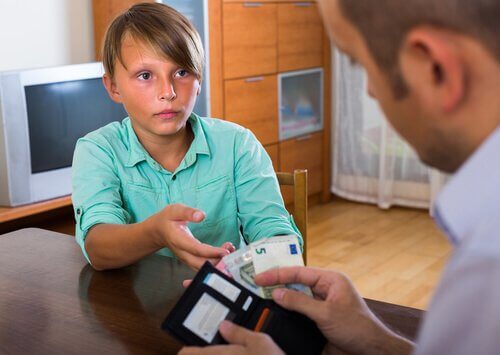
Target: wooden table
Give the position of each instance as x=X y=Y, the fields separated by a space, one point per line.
x=52 y=302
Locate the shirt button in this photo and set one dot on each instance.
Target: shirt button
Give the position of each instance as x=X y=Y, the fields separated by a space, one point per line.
x=78 y=211
x=174 y=177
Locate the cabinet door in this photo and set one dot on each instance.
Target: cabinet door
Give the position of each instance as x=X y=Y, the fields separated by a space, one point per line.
x=303 y=153
x=300 y=36
x=273 y=152
x=253 y=103
x=250 y=39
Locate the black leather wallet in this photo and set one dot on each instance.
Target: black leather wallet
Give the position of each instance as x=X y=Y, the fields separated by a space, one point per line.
x=212 y=297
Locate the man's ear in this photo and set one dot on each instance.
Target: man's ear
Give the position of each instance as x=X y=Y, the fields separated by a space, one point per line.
x=111 y=88
x=433 y=68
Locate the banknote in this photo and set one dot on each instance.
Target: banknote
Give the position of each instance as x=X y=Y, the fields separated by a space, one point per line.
x=261 y=256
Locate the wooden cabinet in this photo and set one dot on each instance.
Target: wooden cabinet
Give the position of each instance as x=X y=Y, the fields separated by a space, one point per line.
x=303 y=153
x=273 y=151
x=300 y=36
x=250 y=39
x=253 y=103
x=261 y=39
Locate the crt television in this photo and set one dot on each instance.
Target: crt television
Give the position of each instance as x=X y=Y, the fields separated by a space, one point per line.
x=43 y=112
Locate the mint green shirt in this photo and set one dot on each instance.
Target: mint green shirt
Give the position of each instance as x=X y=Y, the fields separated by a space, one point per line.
x=226 y=173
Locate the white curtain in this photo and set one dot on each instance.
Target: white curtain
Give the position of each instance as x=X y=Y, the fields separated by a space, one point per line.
x=371 y=163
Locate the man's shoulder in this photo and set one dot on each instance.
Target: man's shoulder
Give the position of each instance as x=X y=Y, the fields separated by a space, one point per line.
x=484 y=238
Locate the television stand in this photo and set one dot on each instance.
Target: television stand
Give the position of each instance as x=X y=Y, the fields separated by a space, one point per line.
x=55 y=215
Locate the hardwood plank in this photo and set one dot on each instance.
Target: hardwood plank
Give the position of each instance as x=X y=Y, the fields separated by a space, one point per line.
x=394 y=256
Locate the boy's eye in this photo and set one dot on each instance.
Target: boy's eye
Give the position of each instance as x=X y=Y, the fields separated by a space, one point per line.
x=182 y=73
x=145 y=76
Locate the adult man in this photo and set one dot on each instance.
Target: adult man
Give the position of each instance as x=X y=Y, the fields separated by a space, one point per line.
x=434 y=67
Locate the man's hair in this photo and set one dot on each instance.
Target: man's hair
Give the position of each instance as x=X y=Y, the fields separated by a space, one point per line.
x=385 y=23
x=164 y=29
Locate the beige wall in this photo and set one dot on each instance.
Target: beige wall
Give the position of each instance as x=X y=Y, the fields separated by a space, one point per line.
x=42 y=33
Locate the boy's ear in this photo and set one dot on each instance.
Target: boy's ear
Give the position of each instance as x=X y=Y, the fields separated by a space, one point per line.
x=111 y=88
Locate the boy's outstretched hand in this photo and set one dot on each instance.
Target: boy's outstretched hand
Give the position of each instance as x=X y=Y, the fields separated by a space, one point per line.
x=170 y=227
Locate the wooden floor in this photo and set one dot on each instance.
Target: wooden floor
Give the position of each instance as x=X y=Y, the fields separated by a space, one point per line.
x=395 y=256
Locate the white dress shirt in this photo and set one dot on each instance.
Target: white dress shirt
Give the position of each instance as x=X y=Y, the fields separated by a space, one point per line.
x=464 y=315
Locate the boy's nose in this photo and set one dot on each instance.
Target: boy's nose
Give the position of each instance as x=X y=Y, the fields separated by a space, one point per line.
x=168 y=96
x=167 y=92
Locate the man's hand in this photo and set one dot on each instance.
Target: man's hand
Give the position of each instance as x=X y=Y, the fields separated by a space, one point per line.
x=241 y=341
x=170 y=227
x=340 y=313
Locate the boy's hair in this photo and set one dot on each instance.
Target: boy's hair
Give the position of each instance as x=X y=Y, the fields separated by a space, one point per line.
x=385 y=23
x=164 y=29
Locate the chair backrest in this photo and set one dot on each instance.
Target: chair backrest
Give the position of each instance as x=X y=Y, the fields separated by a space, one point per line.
x=298 y=180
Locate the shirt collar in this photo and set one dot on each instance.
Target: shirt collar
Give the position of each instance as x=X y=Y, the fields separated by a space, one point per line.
x=137 y=153
x=199 y=144
x=473 y=193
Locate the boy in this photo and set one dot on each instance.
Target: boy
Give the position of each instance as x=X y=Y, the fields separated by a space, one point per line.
x=132 y=180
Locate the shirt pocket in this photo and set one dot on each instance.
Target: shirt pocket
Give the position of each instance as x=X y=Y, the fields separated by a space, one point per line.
x=142 y=200
x=216 y=198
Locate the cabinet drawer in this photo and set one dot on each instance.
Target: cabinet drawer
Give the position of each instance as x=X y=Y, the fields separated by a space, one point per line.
x=303 y=153
x=300 y=36
x=250 y=39
x=253 y=103
x=273 y=152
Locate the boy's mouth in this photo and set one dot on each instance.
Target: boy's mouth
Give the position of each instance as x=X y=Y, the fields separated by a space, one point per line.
x=167 y=114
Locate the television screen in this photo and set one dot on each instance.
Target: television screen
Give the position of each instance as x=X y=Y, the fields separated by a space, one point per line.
x=60 y=113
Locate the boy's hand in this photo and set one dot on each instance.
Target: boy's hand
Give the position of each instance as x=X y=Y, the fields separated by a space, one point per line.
x=170 y=227
x=340 y=313
x=241 y=341
x=228 y=246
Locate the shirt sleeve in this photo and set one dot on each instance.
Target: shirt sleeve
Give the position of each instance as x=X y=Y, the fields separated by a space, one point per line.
x=464 y=316
x=96 y=189
x=261 y=210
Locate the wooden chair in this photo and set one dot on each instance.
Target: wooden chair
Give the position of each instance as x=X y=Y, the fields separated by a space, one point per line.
x=298 y=180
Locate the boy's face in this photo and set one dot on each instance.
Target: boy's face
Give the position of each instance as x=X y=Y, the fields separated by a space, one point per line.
x=157 y=94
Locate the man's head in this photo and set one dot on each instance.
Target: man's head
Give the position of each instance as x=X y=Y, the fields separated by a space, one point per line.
x=434 y=66
x=167 y=32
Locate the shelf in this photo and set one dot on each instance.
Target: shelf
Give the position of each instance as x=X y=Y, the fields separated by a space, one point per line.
x=12 y=213
x=300 y=103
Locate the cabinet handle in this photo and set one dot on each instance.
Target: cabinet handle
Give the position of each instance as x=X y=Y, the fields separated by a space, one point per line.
x=302 y=4
x=304 y=138
x=252 y=4
x=254 y=80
